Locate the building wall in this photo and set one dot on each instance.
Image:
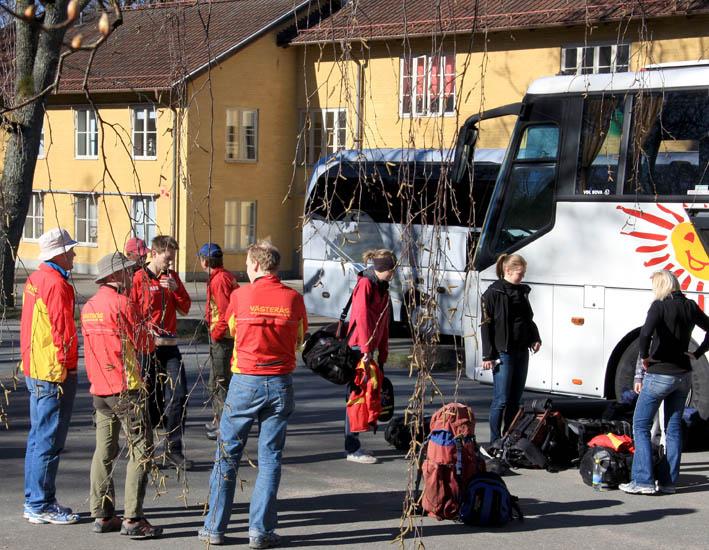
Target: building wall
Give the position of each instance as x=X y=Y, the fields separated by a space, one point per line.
x=114 y=177
x=263 y=77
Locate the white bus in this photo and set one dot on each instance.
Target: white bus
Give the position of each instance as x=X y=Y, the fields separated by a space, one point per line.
x=401 y=199
x=605 y=180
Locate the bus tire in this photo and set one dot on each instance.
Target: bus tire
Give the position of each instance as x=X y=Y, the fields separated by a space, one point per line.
x=699 y=398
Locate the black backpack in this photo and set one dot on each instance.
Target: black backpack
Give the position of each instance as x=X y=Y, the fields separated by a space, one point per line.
x=615 y=466
x=488 y=503
x=387 y=400
x=398 y=433
x=327 y=353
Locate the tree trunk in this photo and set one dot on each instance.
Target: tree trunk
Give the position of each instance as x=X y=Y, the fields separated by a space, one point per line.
x=36 y=59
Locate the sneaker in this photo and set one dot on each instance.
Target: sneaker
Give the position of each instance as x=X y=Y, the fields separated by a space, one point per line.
x=213 y=436
x=486 y=453
x=633 y=488
x=666 y=489
x=54 y=514
x=140 y=529
x=212 y=426
x=27 y=511
x=210 y=538
x=360 y=456
x=107 y=525
x=178 y=461
x=269 y=540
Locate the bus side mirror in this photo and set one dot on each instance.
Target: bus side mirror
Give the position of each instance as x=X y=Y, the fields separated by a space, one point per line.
x=464 y=151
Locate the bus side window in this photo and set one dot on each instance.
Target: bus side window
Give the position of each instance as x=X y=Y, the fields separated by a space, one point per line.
x=600 y=146
x=669 y=144
x=528 y=203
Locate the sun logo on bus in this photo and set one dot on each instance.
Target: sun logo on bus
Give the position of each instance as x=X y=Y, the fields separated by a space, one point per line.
x=676 y=247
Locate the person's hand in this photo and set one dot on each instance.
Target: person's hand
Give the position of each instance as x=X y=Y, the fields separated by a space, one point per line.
x=690 y=355
x=168 y=283
x=535 y=347
x=646 y=363
x=366 y=358
x=637 y=387
x=488 y=365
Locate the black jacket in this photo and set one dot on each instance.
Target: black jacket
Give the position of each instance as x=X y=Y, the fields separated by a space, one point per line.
x=496 y=324
x=669 y=324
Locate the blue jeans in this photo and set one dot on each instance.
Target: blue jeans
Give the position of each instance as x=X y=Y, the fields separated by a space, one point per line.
x=509 y=378
x=268 y=399
x=673 y=391
x=50 y=413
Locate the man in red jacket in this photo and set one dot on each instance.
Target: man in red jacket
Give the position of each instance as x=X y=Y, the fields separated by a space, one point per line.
x=220 y=285
x=267 y=320
x=49 y=349
x=107 y=322
x=159 y=295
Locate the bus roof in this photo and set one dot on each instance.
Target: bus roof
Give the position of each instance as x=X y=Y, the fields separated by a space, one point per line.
x=657 y=78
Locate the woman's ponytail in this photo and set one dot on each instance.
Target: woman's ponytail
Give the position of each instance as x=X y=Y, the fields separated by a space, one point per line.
x=500 y=265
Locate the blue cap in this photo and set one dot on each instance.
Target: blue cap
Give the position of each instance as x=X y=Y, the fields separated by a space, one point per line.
x=210 y=250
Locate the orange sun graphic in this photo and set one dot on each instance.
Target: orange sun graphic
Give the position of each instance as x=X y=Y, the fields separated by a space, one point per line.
x=678 y=248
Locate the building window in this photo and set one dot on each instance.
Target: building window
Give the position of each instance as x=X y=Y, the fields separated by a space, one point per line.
x=34 y=223
x=324 y=132
x=144 y=216
x=239 y=224
x=40 y=151
x=145 y=133
x=86 y=134
x=427 y=85
x=86 y=215
x=613 y=58
x=241 y=134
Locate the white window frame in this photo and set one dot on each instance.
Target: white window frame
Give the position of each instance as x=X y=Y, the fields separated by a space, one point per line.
x=147 y=110
x=237 y=224
x=91 y=133
x=326 y=147
x=35 y=217
x=428 y=97
x=81 y=239
x=235 y=139
x=41 y=153
x=596 y=57
x=147 y=222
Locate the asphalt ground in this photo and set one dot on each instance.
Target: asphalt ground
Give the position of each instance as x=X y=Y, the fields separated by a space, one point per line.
x=327 y=502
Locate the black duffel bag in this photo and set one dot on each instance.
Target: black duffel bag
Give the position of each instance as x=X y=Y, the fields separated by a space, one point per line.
x=327 y=354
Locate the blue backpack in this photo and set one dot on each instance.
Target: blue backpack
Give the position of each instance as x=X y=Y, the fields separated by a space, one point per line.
x=488 y=503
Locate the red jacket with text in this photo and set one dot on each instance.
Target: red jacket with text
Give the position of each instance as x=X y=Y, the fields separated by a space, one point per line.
x=107 y=322
x=49 y=345
x=157 y=306
x=221 y=285
x=364 y=404
x=267 y=320
x=370 y=315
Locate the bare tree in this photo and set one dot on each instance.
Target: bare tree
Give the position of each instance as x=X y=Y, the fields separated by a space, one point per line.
x=39 y=49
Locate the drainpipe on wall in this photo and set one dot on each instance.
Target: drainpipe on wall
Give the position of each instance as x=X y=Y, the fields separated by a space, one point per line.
x=175 y=172
x=359 y=107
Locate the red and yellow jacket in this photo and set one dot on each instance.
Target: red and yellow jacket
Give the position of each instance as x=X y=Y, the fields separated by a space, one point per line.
x=370 y=315
x=107 y=322
x=268 y=320
x=220 y=286
x=365 y=400
x=157 y=306
x=48 y=338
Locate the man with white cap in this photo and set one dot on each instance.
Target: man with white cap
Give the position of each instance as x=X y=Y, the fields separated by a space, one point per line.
x=107 y=322
x=49 y=350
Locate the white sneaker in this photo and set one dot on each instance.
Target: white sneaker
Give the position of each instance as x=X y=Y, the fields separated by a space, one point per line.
x=361 y=456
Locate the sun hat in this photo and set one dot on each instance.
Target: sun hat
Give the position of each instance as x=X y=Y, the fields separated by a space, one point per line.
x=110 y=264
x=54 y=243
x=210 y=250
x=136 y=246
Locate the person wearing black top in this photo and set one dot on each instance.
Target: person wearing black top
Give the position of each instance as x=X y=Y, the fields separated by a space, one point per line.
x=508 y=332
x=665 y=376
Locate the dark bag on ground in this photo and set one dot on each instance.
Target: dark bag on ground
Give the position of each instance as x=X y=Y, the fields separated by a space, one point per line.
x=327 y=353
x=535 y=439
x=615 y=466
x=387 y=400
x=488 y=502
x=399 y=434
x=583 y=430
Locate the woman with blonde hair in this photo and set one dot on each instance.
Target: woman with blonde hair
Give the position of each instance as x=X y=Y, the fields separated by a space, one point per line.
x=665 y=377
x=508 y=333
x=369 y=322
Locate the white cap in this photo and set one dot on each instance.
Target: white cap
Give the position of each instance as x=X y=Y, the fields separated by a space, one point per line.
x=54 y=243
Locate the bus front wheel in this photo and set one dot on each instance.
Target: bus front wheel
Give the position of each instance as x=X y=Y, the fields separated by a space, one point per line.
x=698 y=396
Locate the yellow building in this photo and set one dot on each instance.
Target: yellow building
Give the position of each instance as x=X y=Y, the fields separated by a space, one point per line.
x=202 y=120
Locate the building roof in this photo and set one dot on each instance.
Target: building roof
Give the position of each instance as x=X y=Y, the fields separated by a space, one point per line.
x=381 y=20
x=159 y=45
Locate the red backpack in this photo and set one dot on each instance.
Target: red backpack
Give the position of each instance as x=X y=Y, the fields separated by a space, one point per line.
x=451 y=461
